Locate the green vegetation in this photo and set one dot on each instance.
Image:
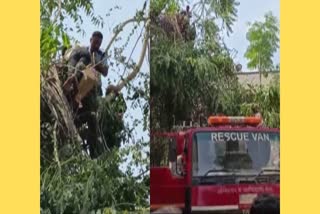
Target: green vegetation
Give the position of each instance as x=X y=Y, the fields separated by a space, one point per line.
x=72 y=182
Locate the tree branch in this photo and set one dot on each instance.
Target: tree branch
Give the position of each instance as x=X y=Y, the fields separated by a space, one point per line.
x=134 y=47
x=118 y=31
x=58 y=13
x=136 y=70
x=142 y=173
x=56 y=156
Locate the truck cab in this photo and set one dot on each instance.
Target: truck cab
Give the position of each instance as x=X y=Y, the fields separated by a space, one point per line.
x=220 y=168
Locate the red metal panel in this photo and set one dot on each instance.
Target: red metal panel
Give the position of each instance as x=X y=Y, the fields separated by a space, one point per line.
x=166 y=189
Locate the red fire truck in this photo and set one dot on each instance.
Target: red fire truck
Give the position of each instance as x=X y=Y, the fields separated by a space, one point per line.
x=220 y=168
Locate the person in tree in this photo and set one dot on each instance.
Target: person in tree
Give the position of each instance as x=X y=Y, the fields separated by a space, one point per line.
x=187 y=30
x=177 y=26
x=78 y=60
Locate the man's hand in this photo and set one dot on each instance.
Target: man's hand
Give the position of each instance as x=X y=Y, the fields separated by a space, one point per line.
x=112 y=88
x=103 y=69
x=70 y=84
x=80 y=66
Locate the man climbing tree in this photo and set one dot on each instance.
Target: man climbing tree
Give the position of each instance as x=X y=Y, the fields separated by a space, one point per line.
x=86 y=106
x=64 y=166
x=177 y=26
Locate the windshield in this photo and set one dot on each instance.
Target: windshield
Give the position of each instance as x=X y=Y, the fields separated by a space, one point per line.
x=234 y=151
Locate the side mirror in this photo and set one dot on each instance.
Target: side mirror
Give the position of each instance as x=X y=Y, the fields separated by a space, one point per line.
x=180 y=166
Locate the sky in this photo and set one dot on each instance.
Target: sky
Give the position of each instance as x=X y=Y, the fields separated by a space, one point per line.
x=250 y=11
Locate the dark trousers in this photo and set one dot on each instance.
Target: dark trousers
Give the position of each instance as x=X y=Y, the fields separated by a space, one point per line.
x=90 y=134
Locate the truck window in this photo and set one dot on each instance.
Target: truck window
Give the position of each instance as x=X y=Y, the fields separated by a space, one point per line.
x=235 y=151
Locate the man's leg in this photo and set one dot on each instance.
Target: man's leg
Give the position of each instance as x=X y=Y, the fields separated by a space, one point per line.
x=92 y=137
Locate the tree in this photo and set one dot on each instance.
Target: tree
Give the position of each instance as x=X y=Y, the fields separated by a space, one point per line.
x=71 y=182
x=223 y=10
x=193 y=80
x=264 y=42
x=188 y=76
x=186 y=79
x=247 y=101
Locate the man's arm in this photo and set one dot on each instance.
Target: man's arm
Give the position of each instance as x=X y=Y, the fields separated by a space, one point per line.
x=74 y=64
x=103 y=69
x=112 y=88
x=73 y=60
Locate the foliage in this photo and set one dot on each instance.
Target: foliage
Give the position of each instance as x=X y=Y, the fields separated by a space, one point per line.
x=266 y=100
x=83 y=185
x=71 y=182
x=167 y=6
x=191 y=82
x=187 y=80
x=184 y=82
x=264 y=42
x=250 y=99
x=54 y=31
x=218 y=10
